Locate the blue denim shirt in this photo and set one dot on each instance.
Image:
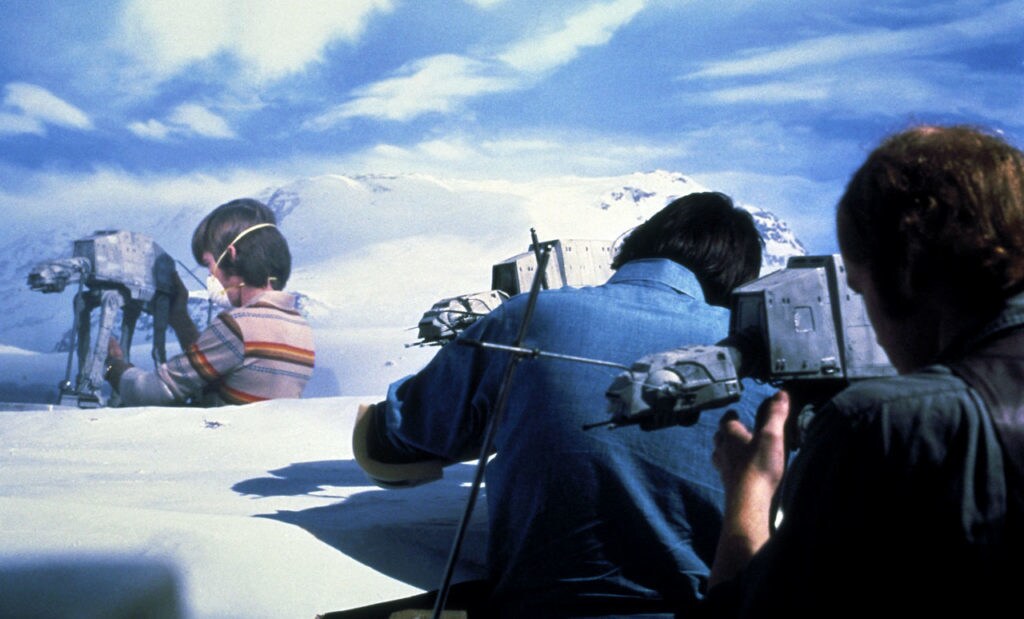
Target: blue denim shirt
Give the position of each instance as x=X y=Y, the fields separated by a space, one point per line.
x=597 y=516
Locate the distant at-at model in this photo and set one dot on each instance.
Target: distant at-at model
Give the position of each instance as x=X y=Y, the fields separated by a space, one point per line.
x=115 y=270
x=572 y=263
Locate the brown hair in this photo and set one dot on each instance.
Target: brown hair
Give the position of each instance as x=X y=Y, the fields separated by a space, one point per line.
x=938 y=207
x=263 y=255
x=705 y=233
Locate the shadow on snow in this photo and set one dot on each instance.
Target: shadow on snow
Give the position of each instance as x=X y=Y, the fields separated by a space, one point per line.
x=406 y=534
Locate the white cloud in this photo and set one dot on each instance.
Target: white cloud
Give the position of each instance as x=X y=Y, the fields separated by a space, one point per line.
x=447 y=150
x=271 y=38
x=201 y=121
x=999 y=21
x=819 y=51
x=594 y=26
x=873 y=88
x=17 y=123
x=187 y=120
x=442 y=83
x=152 y=129
x=436 y=84
x=39 y=107
x=536 y=154
x=484 y=4
x=795 y=91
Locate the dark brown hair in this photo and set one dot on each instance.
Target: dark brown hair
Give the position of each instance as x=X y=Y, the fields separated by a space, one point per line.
x=262 y=255
x=705 y=233
x=938 y=206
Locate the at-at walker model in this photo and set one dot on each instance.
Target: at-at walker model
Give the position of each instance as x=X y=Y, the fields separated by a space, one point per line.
x=116 y=271
x=572 y=263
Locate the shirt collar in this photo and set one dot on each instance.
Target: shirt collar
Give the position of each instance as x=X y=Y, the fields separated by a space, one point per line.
x=661 y=271
x=1012 y=315
x=278 y=298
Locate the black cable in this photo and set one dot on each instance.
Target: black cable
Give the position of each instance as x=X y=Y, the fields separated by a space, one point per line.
x=209 y=301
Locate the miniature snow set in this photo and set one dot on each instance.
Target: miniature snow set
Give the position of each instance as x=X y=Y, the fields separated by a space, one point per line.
x=260 y=510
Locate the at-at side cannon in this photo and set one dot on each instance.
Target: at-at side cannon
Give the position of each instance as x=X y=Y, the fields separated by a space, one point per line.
x=115 y=270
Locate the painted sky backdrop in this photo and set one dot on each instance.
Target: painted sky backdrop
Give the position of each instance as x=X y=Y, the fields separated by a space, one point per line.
x=143 y=103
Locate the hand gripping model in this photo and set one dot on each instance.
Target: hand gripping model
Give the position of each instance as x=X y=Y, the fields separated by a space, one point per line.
x=116 y=271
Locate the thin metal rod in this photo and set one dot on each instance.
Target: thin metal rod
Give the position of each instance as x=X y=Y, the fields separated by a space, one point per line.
x=464 y=312
x=536 y=352
x=542 y=272
x=485 y=449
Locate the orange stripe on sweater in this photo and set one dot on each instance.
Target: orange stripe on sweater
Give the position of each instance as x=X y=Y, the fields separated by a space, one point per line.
x=202 y=366
x=235 y=396
x=283 y=352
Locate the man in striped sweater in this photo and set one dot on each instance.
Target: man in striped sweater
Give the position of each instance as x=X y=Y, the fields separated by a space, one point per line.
x=260 y=349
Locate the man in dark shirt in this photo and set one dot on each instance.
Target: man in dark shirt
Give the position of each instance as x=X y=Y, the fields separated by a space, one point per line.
x=906 y=498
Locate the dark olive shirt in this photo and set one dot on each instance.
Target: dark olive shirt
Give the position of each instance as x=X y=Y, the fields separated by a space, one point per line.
x=896 y=504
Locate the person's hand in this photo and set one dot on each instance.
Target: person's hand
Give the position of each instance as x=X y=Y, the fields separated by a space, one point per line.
x=116 y=365
x=745 y=457
x=751 y=465
x=114 y=351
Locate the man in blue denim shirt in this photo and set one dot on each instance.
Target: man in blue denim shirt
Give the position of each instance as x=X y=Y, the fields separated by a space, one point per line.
x=598 y=522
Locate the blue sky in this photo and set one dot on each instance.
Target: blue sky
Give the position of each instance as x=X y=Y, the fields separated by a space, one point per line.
x=774 y=102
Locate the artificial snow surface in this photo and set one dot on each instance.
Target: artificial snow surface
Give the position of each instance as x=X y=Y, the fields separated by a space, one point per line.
x=260 y=509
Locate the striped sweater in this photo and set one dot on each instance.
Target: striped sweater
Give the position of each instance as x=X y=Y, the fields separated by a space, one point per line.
x=260 y=351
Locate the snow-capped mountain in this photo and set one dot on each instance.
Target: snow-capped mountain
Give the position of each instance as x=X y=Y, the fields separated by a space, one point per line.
x=372 y=253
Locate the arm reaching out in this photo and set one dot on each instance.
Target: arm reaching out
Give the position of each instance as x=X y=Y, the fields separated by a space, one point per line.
x=179 y=318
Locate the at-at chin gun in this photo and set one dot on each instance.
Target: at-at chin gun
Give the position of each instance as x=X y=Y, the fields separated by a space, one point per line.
x=801 y=328
x=115 y=270
x=572 y=263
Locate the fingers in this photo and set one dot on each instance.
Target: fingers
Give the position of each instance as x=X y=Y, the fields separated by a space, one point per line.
x=771 y=420
x=772 y=414
x=730 y=436
x=729 y=425
x=724 y=422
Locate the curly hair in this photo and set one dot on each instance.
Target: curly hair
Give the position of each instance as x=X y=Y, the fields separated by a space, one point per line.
x=938 y=207
x=263 y=255
x=705 y=233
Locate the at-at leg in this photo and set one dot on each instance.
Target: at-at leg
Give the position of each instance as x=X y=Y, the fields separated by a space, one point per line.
x=90 y=375
x=129 y=318
x=85 y=302
x=161 y=311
